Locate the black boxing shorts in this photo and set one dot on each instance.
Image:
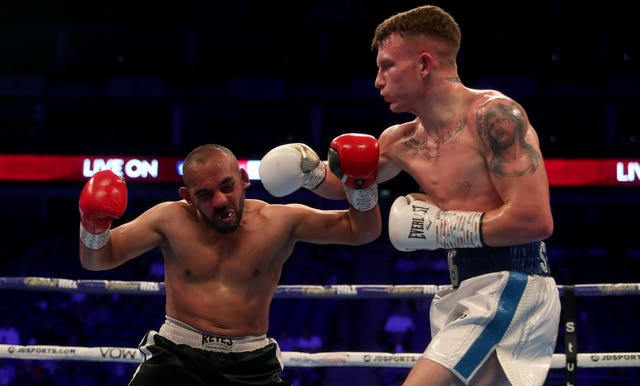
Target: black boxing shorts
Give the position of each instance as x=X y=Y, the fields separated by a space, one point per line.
x=171 y=359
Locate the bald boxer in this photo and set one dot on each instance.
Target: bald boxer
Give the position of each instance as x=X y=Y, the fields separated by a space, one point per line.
x=484 y=198
x=223 y=258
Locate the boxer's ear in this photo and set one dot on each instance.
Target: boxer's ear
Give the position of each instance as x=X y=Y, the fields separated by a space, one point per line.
x=244 y=177
x=184 y=194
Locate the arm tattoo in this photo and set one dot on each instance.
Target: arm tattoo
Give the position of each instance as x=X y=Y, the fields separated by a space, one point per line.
x=502 y=127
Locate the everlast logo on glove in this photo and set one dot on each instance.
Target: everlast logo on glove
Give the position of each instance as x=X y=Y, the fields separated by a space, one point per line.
x=419 y=222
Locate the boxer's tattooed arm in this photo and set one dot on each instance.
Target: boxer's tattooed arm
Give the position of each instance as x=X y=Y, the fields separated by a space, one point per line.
x=502 y=127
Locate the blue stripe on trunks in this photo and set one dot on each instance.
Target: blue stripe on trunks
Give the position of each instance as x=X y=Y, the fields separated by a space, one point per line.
x=496 y=328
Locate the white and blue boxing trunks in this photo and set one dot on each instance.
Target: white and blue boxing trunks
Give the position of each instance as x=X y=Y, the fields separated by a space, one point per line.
x=513 y=308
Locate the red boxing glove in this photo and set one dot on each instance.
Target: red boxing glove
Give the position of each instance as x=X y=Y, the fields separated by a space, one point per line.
x=103 y=199
x=354 y=159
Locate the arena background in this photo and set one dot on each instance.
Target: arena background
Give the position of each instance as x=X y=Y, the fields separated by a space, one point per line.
x=154 y=79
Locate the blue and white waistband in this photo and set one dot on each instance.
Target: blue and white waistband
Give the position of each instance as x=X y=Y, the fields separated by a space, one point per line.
x=529 y=258
x=181 y=333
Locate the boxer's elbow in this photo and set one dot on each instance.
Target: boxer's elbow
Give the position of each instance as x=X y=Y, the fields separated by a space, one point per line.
x=91 y=265
x=544 y=228
x=91 y=262
x=364 y=238
x=537 y=228
x=369 y=233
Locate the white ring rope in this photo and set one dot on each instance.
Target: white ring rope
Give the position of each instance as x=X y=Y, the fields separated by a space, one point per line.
x=292 y=358
x=366 y=291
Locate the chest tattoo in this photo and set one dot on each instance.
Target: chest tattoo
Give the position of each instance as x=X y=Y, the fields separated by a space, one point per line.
x=430 y=148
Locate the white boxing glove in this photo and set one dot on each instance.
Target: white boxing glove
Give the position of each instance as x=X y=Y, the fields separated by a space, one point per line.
x=287 y=168
x=418 y=224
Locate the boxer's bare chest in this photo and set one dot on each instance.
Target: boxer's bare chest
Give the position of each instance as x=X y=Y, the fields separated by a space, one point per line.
x=449 y=167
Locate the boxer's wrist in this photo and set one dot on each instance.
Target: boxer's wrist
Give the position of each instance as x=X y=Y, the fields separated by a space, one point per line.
x=94 y=241
x=315 y=177
x=459 y=229
x=362 y=199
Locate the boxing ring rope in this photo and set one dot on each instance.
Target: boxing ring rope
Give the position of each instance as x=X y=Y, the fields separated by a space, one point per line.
x=359 y=291
x=292 y=358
